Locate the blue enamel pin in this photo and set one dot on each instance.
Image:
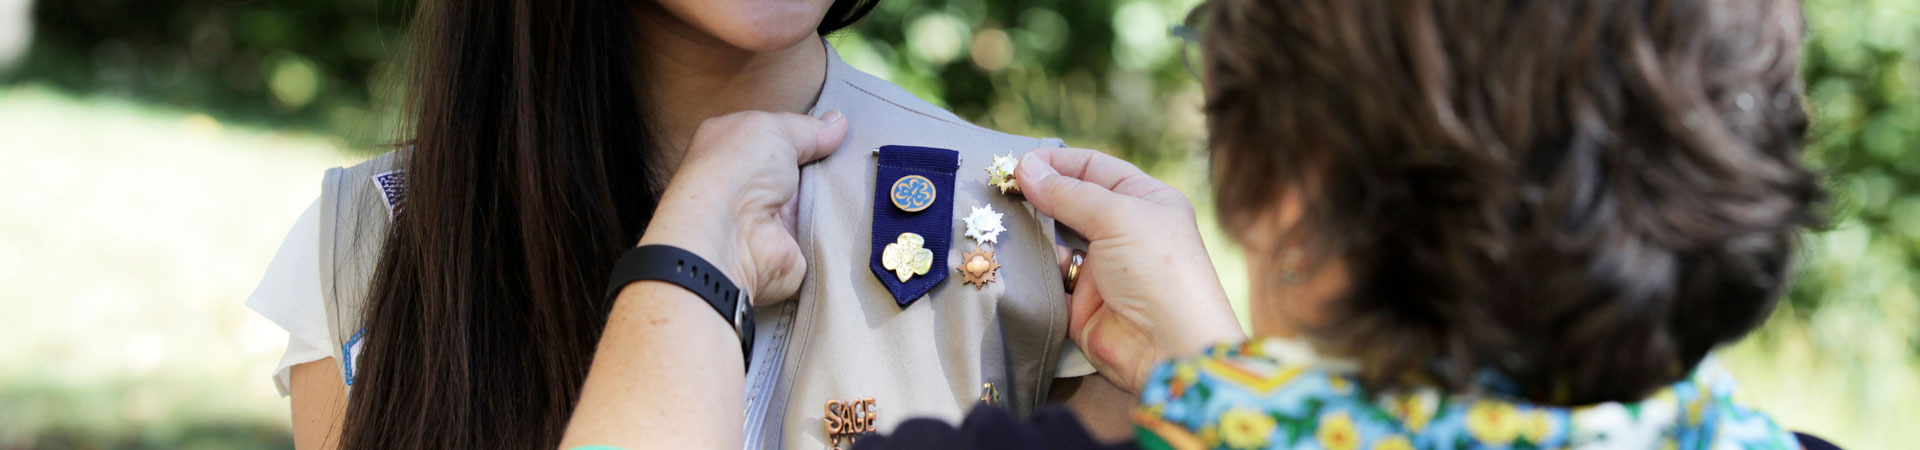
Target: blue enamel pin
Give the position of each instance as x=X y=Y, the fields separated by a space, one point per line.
x=912 y=219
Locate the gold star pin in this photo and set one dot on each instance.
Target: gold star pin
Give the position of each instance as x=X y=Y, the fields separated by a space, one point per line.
x=1000 y=173
x=978 y=267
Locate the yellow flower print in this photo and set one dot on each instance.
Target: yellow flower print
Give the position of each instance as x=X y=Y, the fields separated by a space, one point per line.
x=1184 y=375
x=1337 y=433
x=1222 y=348
x=1394 y=442
x=1493 y=423
x=1415 y=410
x=1338 y=384
x=1246 y=428
x=1664 y=396
x=1668 y=444
x=1694 y=410
x=1254 y=348
x=1536 y=427
x=1211 y=437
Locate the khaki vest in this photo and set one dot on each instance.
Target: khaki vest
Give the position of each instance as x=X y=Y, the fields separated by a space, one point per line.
x=844 y=338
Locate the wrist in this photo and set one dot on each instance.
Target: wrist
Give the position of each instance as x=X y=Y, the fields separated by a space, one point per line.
x=697 y=230
x=1193 y=338
x=1201 y=325
x=689 y=273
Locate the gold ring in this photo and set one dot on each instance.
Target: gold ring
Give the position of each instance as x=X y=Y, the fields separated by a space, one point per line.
x=1073 y=268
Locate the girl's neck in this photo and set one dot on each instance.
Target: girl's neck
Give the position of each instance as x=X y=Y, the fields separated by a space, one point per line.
x=692 y=77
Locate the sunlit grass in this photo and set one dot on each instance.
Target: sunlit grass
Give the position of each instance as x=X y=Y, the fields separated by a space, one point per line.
x=131 y=238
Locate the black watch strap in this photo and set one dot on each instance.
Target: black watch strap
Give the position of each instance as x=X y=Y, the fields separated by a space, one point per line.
x=687 y=270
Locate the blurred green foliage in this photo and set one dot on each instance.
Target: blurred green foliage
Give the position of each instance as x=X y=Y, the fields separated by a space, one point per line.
x=308 y=64
x=1862 y=67
x=1101 y=74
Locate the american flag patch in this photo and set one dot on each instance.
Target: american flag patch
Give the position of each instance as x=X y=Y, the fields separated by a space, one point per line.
x=392 y=190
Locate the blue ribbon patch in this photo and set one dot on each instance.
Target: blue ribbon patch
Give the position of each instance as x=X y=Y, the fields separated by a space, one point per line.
x=913 y=193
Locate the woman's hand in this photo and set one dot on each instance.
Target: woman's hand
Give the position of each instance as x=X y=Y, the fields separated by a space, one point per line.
x=732 y=199
x=1146 y=289
x=667 y=372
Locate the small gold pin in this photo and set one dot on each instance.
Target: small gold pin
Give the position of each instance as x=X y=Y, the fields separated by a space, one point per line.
x=1000 y=173
x=977 y=267
x=989 y=395
x=907 y=256
x=850 y=419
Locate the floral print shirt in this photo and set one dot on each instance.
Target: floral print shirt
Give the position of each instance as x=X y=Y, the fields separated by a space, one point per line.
x=1243 y=397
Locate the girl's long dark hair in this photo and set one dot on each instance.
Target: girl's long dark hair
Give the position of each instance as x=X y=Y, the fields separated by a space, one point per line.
x=527 y=179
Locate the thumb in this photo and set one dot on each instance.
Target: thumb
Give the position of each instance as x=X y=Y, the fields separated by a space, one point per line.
x=1083 y=206
x=811 y=138
x=815 y=138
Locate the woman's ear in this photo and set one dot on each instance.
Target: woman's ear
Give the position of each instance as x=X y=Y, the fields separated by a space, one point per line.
x=1271 y=227
x=1267 y=237
x=1294 y=271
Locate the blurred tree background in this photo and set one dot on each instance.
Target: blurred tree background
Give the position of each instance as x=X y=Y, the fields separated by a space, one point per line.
x=307 y=64
x=1840 y=358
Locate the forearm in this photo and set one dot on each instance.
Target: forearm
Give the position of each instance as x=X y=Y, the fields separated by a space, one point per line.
x=319 y=405
x=668 y=374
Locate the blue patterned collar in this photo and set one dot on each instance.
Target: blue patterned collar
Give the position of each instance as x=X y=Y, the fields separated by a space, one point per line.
x=1252 y=396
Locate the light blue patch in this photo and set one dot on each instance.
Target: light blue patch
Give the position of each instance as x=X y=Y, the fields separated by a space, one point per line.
x=351 y=353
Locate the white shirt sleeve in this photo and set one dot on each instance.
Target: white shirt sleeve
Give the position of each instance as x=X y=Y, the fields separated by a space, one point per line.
x=1072 y=364
x=289 y=295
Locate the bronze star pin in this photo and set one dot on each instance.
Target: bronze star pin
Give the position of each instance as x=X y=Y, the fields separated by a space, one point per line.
x=978 y=267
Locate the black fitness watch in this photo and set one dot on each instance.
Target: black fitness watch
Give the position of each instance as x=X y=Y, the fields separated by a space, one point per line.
x=687 y=270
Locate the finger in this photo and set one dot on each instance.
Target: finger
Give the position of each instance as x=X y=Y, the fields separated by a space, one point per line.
x=784 y=281
x=1091 y=209
x=1107 y=171
x=1122 y=350
x=1065 y=255
x=777 y=261
x=1082 y=304
x=790 y=214
x=1082 y=280
x=815 y=138
x=810 y=138
x=1083 y=297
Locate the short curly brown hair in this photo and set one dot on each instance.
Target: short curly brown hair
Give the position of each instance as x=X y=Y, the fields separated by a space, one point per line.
x=1582 y=196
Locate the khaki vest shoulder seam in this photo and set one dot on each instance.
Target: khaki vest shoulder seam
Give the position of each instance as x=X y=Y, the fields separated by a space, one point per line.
x=962 y=124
